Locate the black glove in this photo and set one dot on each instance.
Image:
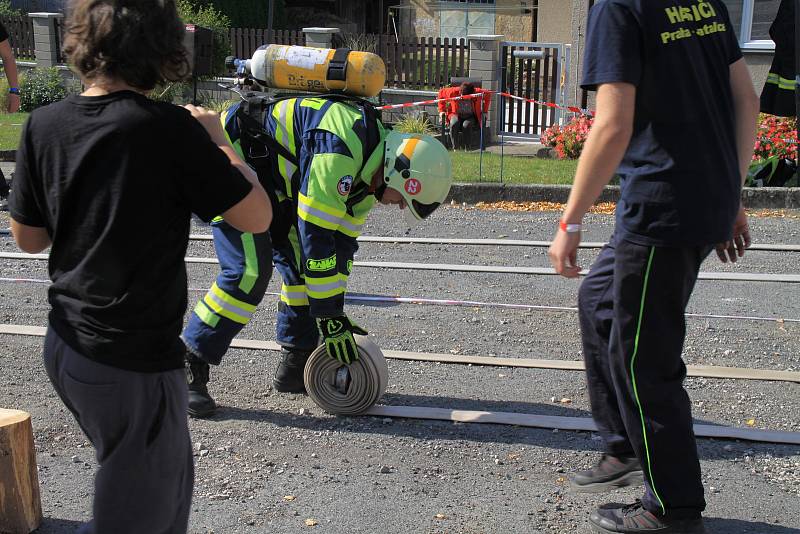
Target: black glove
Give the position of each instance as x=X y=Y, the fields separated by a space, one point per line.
x=339 y=341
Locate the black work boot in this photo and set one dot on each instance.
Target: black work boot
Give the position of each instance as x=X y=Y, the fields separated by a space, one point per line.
x=197 y=374
x=633 y=518
x=289 y=374
x=610 y=473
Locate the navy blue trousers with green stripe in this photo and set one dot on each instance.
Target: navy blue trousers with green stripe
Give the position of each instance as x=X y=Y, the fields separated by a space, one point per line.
x=631 y=308
x=246 y=262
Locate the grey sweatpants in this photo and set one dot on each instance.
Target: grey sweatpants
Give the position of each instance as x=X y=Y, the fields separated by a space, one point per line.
x=137 y=424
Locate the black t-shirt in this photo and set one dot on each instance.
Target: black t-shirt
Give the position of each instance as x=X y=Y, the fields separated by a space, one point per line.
x=681 y=183
x=114 y=180
x=3 y=33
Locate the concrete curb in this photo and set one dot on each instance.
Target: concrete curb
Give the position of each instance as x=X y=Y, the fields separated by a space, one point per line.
x=472 y=193
x=753 y=197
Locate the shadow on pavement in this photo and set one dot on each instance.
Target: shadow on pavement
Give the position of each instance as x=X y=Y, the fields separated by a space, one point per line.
x=481 y=432
x=57 y=526
x=429 y=429
x=717 y=525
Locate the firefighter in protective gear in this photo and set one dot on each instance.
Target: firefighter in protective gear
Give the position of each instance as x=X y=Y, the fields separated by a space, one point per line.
x=335 y=161
x=778 y=96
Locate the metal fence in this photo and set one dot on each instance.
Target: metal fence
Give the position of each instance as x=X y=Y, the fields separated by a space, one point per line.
x=536 y=71
x=20 y=35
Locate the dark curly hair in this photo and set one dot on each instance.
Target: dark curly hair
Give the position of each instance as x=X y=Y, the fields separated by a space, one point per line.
x=137 y=41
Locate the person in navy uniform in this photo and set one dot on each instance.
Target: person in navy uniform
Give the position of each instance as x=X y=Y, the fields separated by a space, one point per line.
x=675 y=119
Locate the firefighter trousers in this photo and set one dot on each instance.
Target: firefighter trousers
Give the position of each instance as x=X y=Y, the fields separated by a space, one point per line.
x=246 y=262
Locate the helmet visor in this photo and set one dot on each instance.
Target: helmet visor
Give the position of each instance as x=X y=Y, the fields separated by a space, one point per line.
x=423 y=210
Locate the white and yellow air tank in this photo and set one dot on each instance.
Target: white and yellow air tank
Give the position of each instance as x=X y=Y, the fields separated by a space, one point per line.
x=319 y=70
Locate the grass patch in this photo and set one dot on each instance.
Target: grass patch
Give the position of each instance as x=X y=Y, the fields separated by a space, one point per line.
x=466 y=165
x=516 y=170
x=10 y=129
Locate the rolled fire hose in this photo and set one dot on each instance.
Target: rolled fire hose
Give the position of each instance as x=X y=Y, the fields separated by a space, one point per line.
x=347 y=390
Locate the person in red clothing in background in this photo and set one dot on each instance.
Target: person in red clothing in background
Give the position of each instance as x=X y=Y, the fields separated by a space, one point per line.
x=463 y=116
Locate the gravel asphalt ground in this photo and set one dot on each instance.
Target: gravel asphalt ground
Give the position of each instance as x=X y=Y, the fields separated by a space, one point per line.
x=277 y=463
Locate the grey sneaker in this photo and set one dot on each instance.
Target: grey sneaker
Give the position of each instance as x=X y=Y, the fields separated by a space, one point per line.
x=610 y=473
x=633 y=519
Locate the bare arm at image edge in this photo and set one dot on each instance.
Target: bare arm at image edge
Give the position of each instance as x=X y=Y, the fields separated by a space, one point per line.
x=603 y=152
x=604 y=149
x=745 y=105
x=30 y=239
x=10 y=68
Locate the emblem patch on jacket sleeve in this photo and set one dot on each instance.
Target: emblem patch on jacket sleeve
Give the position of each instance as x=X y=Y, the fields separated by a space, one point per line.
x=345 y=184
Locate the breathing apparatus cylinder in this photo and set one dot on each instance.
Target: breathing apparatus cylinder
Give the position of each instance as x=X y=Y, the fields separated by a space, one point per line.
x=319 y=70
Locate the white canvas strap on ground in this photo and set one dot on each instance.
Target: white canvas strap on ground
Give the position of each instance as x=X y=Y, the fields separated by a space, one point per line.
x=719 y=276
x=699 y=371
x=568 y=423
x=503 y=418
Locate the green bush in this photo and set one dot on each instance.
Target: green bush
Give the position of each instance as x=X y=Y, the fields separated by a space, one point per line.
x=250 y=13
x=40 y=87
x=192 y=12
x=7 y=11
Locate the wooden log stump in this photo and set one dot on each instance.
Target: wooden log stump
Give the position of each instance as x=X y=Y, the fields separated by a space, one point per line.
x=20 y=504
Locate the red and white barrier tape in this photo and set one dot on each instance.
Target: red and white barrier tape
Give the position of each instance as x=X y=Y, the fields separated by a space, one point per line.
x=573 y=109
x=429 y=102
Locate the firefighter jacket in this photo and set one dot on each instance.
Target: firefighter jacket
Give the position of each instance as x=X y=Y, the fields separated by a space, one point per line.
x=778 y=96
x=325 y=197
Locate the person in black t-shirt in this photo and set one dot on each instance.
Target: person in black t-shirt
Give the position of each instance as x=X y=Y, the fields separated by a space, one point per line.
x=109 y=180
x=676 y=115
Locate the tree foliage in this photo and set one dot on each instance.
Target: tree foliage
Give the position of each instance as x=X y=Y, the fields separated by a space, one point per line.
x=250 y=13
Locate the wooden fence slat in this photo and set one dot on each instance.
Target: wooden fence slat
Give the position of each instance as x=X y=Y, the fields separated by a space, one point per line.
x=401 y=49
x=429 y=61
x=239 y=43
x=421 y=79
x=438 y=66
x=389 y=57
x=413 y=62
x=416 y=68
x=446 y=57
x=462 y=48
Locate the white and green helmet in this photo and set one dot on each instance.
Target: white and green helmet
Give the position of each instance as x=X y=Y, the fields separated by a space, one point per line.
x=419 y=168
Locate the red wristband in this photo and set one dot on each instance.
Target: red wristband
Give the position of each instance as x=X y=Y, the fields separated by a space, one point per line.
x=569 y=228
